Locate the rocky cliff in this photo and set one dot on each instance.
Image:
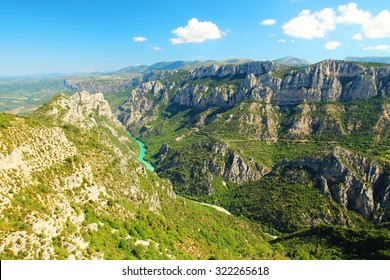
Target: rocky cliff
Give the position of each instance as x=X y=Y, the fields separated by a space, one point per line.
x=356 y=182
x=270 y=82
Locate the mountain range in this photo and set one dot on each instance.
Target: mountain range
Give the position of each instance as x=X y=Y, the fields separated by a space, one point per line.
x=377 y=59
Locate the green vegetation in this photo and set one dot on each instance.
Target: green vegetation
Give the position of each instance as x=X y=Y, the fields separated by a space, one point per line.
x=349 y=125
x=334 y=242
x=287 y=202
x=117 y=98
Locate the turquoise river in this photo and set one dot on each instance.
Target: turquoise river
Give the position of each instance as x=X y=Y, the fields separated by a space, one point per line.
x=142 y=152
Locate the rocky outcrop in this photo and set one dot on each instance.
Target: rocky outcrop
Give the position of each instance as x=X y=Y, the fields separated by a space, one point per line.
x=353 y=181
x=235 y=168
x=305 y=119
x=80 y=108
x=382 y=127
x=203 y=96
x=227 y=71
x=142 y=99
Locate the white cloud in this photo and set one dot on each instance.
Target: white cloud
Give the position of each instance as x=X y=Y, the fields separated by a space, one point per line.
x=269 y=21
x=139 y=39
x=154 y=47
x=332 y=45
x=351 y=14
x=378 y=27
x=357 y=36
x=282 y=41
x=196 y=32
x=310 y=25
x=378 y=48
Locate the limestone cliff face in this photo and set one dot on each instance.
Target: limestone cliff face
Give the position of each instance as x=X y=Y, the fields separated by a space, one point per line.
x=235 y=169
x=80 y=108
x=223 y=71
x=142 y=99
x=353 y=181
x=269 y=82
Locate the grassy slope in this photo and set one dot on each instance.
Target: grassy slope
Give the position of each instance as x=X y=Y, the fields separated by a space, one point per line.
x=180 y=228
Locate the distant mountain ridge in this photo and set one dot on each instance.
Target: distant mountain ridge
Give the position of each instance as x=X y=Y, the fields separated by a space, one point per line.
x=190 y=65
x=178 y=64
x=292 y=61
x=376 y=59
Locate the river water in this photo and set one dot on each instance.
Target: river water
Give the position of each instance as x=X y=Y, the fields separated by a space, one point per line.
x=140 y=158
x=142 y=152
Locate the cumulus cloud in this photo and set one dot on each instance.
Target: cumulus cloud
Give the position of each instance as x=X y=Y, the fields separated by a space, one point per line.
x=357 y=36
x=331 y=45
x=269 y=21
x=378 y=27
x=310 y=25
x=139 y=39
x=154 y=47
x=378 y=48
x=196 y=32
x=351 y=14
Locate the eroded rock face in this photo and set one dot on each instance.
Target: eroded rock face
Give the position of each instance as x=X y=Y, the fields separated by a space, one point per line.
x=79 y=108
x=223 y=71
x=141 y=100
x=327 y=81
x=235 y=169
x=353 y=181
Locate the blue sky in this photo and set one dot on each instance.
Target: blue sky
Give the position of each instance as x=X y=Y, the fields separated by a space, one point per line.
x=83 y=35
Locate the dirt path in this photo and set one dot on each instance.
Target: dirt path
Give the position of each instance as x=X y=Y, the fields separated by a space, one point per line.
x=218 y=208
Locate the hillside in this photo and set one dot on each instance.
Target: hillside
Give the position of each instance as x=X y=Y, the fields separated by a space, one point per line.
x=71 y=188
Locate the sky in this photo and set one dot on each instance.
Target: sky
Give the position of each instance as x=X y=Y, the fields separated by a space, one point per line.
x=68 y=36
